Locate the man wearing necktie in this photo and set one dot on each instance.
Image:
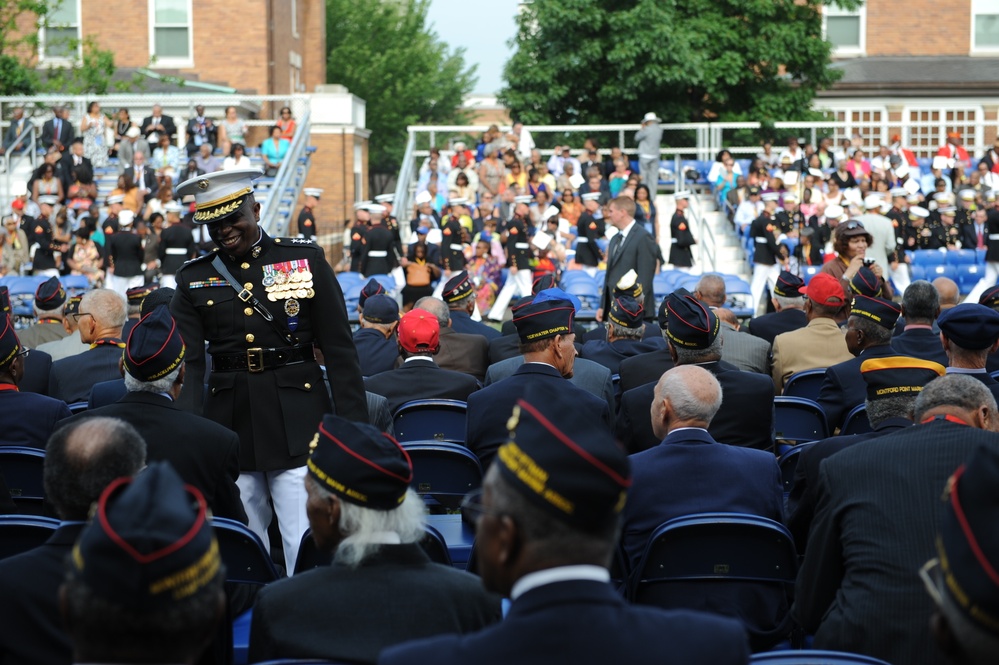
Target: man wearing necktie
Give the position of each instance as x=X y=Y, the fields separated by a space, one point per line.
x=631 y=249
x=991 y=237
x=143 y=178
x=18 y=123
x=58 y=131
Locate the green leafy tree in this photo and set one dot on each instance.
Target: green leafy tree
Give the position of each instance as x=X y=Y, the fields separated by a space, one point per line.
x=610 y=61
x=385 y=53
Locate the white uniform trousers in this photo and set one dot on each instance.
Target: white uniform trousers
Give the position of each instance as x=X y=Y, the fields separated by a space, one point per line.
x=763 y=276
x=123 y=284
x=900 y=278
x=287 y=490
x=519 y=284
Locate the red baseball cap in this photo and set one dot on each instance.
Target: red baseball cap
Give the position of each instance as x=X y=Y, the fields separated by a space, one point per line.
x=825 y=290
x=419 y=331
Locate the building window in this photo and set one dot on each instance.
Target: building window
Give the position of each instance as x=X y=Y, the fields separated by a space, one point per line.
x=60 y=35
x=293 y=10
x=985 y=25
x=845 y=29
x=170 y=28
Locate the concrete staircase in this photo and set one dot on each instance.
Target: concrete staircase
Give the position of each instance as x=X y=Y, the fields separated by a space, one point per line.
x=722 y=241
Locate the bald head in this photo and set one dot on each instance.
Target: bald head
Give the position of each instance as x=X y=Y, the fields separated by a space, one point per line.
x=950 y=295
x=711 y=290
x=728 y=316
x=686 y=396
x=437 y=307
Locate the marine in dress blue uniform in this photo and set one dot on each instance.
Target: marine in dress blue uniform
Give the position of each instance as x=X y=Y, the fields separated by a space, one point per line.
x=262 y=333
x=682 y=240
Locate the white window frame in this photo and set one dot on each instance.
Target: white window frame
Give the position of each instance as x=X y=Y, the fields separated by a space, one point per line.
x=156 y=61
x=979 y=7
x=60 y=59
x=831 y=9
x=293 y=6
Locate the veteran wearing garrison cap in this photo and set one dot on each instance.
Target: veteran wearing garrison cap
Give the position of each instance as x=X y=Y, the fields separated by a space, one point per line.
x=789 y=303
x=547 y=520
x=459 y=294
x=264 y=305
x=381 y=588
x=49 y=303
x=970 y=334
x=625 y=331
x=545 y=328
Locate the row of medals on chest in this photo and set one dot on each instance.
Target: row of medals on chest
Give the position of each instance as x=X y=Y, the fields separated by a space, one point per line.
x=283 y=286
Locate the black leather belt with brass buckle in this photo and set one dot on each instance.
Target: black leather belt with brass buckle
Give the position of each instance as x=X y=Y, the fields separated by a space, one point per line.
x=258 y=359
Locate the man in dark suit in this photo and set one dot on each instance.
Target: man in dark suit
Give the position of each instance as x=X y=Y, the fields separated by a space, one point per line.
x=58 y=131
x=143 y=176
x=419 y=377
x=361 y=508
x=204 y=453
x=692 y=331
x=460 y=352
x=547 y=522
x=102 y=315
x=18 y=124
x=920 y=307
x=80 y=460
x=893 y=384
x=592 y=377
x=28 y=418
x=790 y=305
x=376 y=342
x=545 y=329
x=157 y=125
x=459 y=294
x=690 y=473
x=625 y=330
x=868 y=335
x=631 y=249
x=72 y=159
x=876 y=525
x=970 y=333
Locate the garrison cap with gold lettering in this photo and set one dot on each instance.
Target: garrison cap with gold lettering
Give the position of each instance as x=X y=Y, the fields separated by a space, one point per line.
x=866 y=283
x=883 y=312
x=689 y=323
x=457 y=288
x=372 y=288
x=626 y=312
x=970 y=326
x=73 y=305
x=50 y=295
x=990 y=298
x=564 y=461
x=788 y=285
x=898 y=376
x=359 y=464
x=550 y=312
x=218 y=195
x=154 y=347
x=150 y=544
x=137 y=294
x=10 y=345
x=968 y=542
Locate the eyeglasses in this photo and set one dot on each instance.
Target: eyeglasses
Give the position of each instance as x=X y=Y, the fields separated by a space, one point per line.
x=79 y=315
x=24 y=353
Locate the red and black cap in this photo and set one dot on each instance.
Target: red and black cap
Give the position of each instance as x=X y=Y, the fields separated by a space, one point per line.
x=50 y=295
x=883 y=312
x=137 y=294
x=689 y=323
x=372 y=288
x=788 y=285
x=990 y=298
x=10 y=345
x=970 y=326
x=150 y=544
x=360 y=464
x=457 y=288
x=154 y=347
x=543 y=282
x=898 y=376
x=866 y=283
x=563 y=461
x=968 y=542
x=550 y=312
x=626 y=312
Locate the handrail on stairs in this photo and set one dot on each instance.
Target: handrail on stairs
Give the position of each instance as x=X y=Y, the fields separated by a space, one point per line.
x=270 y=210
x=11 y=161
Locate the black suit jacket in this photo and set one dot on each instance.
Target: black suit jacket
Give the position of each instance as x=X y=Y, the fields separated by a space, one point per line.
x=468 y=354
x=375 y=352
x=770 y=325
x=843 y=387
x=28 y=418
x=463 y=323
x=67 y=169
x=420 y=379
x=148 y=177
x=37 y=367
x=489 y=409
x=33 y=632
x=72 y=378
x=745 y=419
x=637 y=252
x=202 y=452
x=920 y=343
x=645 y=368
x=169 y=126
x=581 y=621
x=66 y=133
x=875 y=526
x=294 y=618
x=988 y=381
x=801 y=501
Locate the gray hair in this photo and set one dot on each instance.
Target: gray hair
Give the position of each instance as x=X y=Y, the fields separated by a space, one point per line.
x=896 y=406
x=162 y=385
x=876 y=332
x=786 y=302
x=106 y=306
x=56 y=313
x=920 y=302
x=957 y=390
x=628 y=333
x=695 y=356
x=359 y=525
x=693 y=393
x=437 y=307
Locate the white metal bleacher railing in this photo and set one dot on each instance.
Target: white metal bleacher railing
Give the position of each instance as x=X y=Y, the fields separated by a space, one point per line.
x=10 y=161
x=287 y=182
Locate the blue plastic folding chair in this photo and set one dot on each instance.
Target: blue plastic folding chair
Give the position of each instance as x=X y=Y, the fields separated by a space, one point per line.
x=961 y=257
x=709 y=561
x=927 y=257
x=808 y=272
x=856 y=421
x=968 y=275
x=430 y=420
x=798 y=420
x=22 y=470
x=805 y=384
x=20 y=533
x=813 y=658
x=443 y=472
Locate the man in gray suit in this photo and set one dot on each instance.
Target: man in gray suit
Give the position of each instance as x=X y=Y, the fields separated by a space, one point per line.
x=876 y=524
x=131 y=144
x=747 y=352
x=649 y=138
